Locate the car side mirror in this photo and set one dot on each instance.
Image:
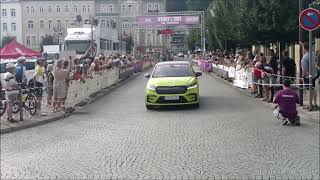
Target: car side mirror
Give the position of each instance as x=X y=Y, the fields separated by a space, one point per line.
x=198 y=74
x=147 y=75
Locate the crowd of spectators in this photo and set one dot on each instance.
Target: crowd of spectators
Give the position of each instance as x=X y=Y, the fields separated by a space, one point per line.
x=54 y=79
x=268 y=72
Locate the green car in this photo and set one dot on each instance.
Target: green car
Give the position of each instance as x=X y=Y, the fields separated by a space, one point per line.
x=172 y=83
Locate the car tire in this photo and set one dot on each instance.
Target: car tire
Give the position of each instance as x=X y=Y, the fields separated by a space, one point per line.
x=196 y=106
x=149 y=107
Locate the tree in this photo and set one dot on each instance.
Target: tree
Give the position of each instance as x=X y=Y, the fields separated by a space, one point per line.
x=5 y=40
x=194 y=39
x=197 y=5
x=129 y=43
x=47 y=40
x=78 y=19
x=176 y=5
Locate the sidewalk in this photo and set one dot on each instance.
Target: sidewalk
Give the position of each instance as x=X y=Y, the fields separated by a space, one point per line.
x=30 y=121
x=313 y=116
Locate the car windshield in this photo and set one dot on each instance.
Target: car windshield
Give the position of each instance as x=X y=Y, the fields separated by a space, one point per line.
x=173 y=70
x=79 y=46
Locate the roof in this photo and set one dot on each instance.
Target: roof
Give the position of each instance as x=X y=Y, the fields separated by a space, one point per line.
x=14 y=50
x=174 y=62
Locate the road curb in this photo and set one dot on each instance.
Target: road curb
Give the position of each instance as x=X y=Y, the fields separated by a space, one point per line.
x=98 y=95
x=303 y=114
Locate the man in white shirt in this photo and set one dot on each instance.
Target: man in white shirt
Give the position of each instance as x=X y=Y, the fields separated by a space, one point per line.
x=11 y=89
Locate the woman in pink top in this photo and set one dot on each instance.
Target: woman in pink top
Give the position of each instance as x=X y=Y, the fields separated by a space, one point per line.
x=59 y=85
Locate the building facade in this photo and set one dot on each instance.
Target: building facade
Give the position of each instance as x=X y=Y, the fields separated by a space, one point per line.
x=11 y=22
x=122 y=15
x=52 y=17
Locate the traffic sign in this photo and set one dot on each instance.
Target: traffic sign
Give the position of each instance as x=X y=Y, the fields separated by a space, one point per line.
x=309 y=19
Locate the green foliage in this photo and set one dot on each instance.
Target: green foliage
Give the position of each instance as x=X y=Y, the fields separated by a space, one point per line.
x=251 y=21
x=5 y=40
x=129 y=43
x=47 y=40
x=197 y=5
x=194 y=39
x=176 y=5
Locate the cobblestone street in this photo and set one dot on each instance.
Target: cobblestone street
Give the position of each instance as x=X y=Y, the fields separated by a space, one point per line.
x=229 y=136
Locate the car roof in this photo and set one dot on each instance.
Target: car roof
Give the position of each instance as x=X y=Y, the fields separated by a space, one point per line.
x=173 y=63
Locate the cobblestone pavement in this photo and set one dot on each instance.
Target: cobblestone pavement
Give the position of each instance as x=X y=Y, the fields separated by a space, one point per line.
x=229 y=136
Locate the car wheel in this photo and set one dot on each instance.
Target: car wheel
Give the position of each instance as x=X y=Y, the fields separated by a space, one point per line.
x=196 y=105
x=149 y=107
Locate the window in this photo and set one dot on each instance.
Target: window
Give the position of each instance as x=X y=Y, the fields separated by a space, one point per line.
x=66 y=9
x=32 y=9
x=75 y=9
x=125 y=23
x=13 y=27
x=123 y=8
x=149 y=39
x=30 y=24
x=84 y=9
x=13 y=12
x=28 y=9
x=41 y=24
x=67 y=23
x=103 y=8
x=49 y=9
x=50 y=24
x=58 y=9
x=156 y=7
x=4 y=27
x=108 y=23
x=59 y=25
x=110 y=8
x=28 y=40
x=88 y=8
x=129 y=7
x=103 y=23
x=4 y=13
x=34 y=41
x=41 y=10
x=149 y=7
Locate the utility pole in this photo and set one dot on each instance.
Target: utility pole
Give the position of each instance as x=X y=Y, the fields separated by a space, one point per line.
x=301 y=39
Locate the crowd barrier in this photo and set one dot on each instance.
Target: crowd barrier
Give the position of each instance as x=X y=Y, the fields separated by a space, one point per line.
x=241 y=77
x=81 y=91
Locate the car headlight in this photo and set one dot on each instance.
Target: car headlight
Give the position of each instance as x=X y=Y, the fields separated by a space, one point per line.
x=151 y=87
x=193 y=85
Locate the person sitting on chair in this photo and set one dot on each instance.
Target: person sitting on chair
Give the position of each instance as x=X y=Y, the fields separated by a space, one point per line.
x=287 y=100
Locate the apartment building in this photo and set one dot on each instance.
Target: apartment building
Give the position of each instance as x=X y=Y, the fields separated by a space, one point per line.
x=11 y=21
x=52 y=17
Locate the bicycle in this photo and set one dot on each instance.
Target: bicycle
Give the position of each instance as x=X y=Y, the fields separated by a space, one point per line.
x=29 y=102
x=28 y=99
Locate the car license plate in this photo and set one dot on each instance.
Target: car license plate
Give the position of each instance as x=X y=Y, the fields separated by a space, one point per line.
x=170 y=98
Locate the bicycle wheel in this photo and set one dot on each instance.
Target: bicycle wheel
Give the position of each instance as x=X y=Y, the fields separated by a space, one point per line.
x=3 y=107
x=16 y=107
x=31 y=104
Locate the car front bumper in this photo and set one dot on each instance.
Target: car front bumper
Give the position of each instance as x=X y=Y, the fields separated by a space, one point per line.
x=191 y=96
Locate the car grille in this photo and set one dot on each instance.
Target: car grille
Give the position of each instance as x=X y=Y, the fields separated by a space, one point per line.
x=181 y=100
x=171 y=90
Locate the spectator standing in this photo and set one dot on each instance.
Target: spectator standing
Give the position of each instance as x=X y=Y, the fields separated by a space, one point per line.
x=20 y=71
x=40 y=79
x=287 y=100
x=313 y=72
x=274 y=72
x=59 y=84
x=50 y=80
x=265 y=75
x=11 y=89
x=288 y=66
x=68 y=79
